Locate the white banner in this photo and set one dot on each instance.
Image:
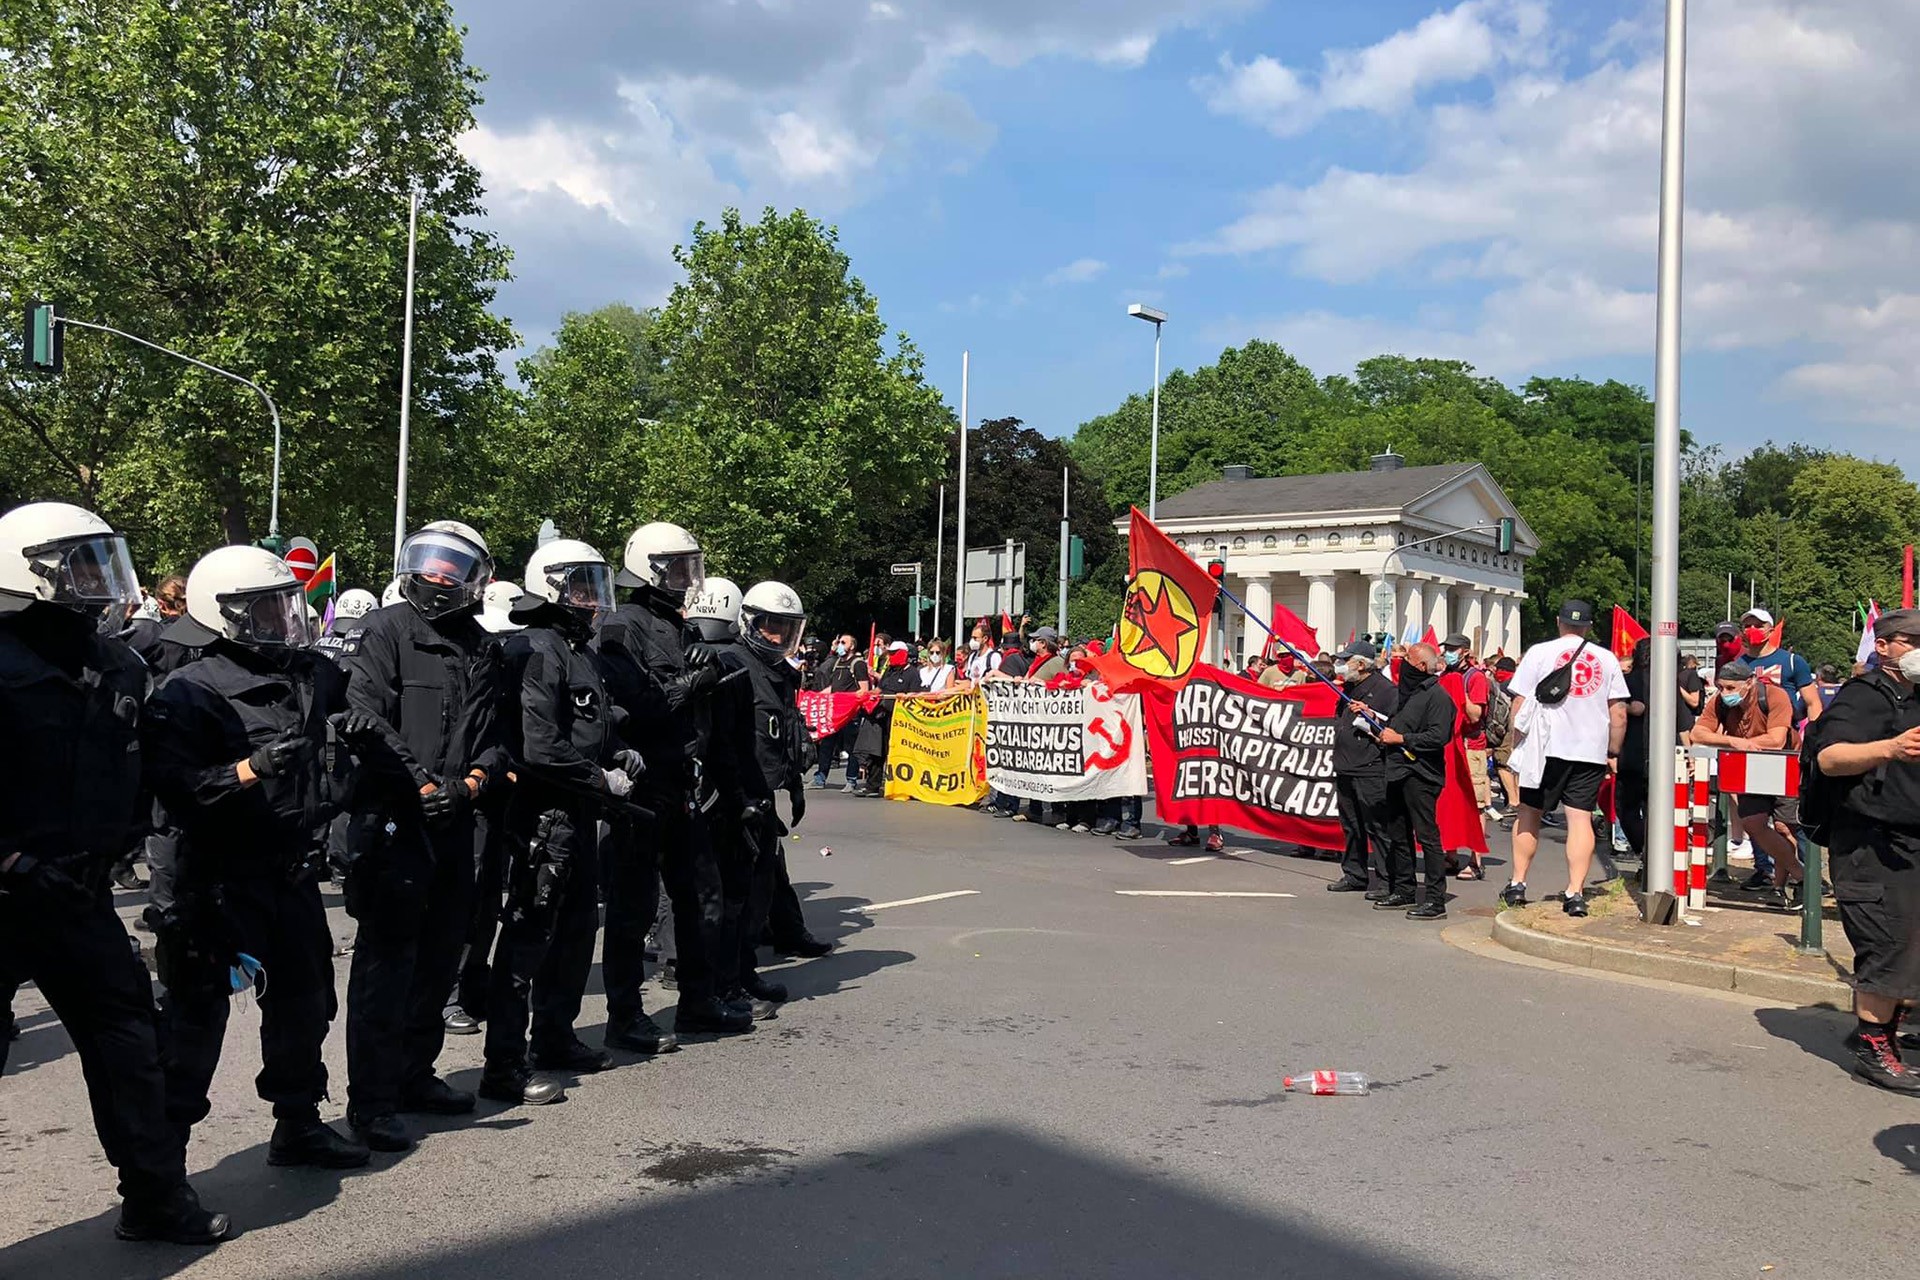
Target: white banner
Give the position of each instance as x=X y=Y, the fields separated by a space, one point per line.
x=1073 y=744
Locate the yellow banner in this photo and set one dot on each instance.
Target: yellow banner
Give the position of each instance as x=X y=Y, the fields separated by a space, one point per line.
x=937 y=750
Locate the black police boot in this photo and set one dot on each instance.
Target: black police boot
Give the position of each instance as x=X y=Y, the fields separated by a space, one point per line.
x=573 y=1056
x=641 y=1034
x=1344 y=885
x=435 y=1097
x=381 y=1133
x=1431 y=909
x=516 y=1083
x=459 y=1022
x=303 y=1140
x=710 y=1015
x=756 y=1008
x=805 y=945
x=175 y=1217
x=1393 y=901
x=760 y=989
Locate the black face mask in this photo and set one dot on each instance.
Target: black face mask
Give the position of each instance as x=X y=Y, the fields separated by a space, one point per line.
x=1412 y=677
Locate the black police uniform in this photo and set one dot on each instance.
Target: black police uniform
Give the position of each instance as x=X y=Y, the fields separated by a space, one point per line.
x=148 y=637
x=434 y=684
x=746 y=829
x=1875 y=837
x=247 y=879
x=1360 y=780
x=557 y=727
x=338 y=643
x=779 y=745
x=1416 y=774
x=642 y=648
x=70 y=790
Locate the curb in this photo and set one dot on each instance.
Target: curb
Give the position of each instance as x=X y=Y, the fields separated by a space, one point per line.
x=1761 y=984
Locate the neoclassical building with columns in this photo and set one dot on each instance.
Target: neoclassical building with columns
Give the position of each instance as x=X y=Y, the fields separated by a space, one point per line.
x=1321 y=544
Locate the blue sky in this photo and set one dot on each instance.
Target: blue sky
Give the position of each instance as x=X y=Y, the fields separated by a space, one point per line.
x=1473 y=180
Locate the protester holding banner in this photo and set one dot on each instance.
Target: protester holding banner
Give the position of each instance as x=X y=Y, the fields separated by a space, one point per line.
x=1360 y=773
x=1416 y=739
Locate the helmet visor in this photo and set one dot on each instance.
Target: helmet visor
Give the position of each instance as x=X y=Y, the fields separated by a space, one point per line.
x=445 y=566
x=269 y=619
x=779 y=633
x=92 y=575
x=681 y=571
x=587 y=587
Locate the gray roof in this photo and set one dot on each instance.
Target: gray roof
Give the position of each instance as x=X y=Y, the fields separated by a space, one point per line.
x=1304 y=495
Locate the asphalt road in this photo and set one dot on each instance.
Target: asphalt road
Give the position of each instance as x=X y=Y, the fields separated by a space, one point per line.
x=1049 y=1077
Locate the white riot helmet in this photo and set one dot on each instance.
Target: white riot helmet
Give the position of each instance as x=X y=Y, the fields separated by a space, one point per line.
x=572 y=575
x=64 y=555
x=665 y=557
x=714 y=610
x=391 y=595
x=249 y=596
x=772 y=620
x=444 y=568
x=354 y=603
x=497 y=604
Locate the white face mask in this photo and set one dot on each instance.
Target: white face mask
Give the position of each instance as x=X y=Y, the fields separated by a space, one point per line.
x=1910 y=665
x=973 y=646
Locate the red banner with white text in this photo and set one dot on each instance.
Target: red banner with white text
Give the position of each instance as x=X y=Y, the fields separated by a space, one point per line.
x=1231 y=752
x=827 y=713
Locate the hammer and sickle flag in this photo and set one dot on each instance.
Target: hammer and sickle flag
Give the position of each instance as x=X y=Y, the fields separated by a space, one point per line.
x=1164 y=615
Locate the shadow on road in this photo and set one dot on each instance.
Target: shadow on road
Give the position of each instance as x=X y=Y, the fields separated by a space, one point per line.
x=982 y=1201
x=1901 y=1144
x=1817 y=1031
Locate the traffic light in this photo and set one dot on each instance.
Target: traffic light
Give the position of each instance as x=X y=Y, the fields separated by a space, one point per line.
x=1505 y=536
x=45 y=343
x=1217 y=570
x=274 y=544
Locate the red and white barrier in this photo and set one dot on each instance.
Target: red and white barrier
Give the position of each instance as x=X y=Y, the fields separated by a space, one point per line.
x=1692 y=824
x=1760 y=773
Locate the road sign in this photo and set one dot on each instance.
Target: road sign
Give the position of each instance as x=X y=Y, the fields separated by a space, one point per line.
x=303 y=558
x=905 y=570
x=1383 y=600
x=996 y=584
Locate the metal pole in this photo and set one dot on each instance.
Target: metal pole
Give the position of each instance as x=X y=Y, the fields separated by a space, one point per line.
x=1153 y=459
x=1012 y=578
x=1664 y=684
x=939 y=551
x=1065 y=535
x=273 y=410
x=960 y=531
x=1639 y=529
x=914 y=621
x=406 y=385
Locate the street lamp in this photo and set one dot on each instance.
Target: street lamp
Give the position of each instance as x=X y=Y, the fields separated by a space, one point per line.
x=1140 y=311
x=1639 y=524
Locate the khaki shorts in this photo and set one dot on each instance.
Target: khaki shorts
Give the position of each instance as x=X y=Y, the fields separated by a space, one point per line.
x=1503 y=753
x=1477 y=770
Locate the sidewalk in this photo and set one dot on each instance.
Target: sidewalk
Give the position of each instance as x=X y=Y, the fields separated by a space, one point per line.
x=1738 y=945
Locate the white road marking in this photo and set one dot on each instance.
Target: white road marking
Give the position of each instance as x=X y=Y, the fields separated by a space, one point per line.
x=1195 y=893
x=1205 y=857
x=910 y=902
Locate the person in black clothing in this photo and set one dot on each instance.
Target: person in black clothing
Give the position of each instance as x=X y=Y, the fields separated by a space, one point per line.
x=241 y=750
x=70 y=793
x=1866 y=744
x=1360 y=773
x=424 y=672
x=664 y=689
x=901 y=678
x=1416 y=738
x=1630 y=780
x=146 y=636
x=837 y=675
x=557 y=727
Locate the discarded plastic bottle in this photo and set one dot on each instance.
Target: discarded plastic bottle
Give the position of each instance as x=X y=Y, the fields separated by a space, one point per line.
x=1345 y=1083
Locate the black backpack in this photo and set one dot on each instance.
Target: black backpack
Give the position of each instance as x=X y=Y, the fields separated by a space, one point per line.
x=1820 y=795
x=1558 y=683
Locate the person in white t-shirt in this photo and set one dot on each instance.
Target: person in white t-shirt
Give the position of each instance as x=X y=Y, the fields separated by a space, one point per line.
x=1565 y=746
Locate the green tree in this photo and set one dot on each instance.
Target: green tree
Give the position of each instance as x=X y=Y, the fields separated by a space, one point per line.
x=230 y=178
x=799 y=429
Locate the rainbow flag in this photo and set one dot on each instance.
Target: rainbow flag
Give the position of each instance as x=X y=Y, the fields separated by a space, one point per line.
x=321 y=585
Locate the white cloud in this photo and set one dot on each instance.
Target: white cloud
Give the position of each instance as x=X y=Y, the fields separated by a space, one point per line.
x=1079 y=271
x=809 y=152
x=1539 y=188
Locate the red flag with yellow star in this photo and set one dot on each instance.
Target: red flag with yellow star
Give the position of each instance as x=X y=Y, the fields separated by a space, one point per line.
x=1163 y=616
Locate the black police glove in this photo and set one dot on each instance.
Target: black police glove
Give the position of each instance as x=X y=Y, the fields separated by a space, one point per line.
x=629 y=762
x=701 y=656
x=354 y=724
x=444 y=802
x=799 y=802
x=280 y=756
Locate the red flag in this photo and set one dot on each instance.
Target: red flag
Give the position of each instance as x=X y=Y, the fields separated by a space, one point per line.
x=1906 y=580
x=1773 y=641
x=1289 y=626
x=1429 y=638
x=1163 y=616
x=825 y=712
x=1626 y=633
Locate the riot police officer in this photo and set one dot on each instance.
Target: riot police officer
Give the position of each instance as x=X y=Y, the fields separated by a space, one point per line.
x=424 y=670
x=240 y=749
x=743 y=822
x=558 y=730
x=350 y=615
x=664 y=689
x=70 y=792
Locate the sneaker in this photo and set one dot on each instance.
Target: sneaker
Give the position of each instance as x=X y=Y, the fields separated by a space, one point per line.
x=1515 y=894
x=1081 y=828
x=1128 y=832
x=1495 y=813
x=1552 y=820
x=1877 y=1062
x=1105 y=827
x=1063 y=826
x=1574 y=904
x=1020 y=817
x=1215 y=843
x=1756 y=882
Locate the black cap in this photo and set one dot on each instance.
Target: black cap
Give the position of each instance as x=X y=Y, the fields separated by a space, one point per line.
x=1897 y=622
x=1576 y=613
x=1735 y=670
x=1456 y=641
x=1359 y=649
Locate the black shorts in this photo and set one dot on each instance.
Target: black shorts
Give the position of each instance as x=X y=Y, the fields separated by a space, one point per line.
x=1876 y=883
x=1573 y=783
